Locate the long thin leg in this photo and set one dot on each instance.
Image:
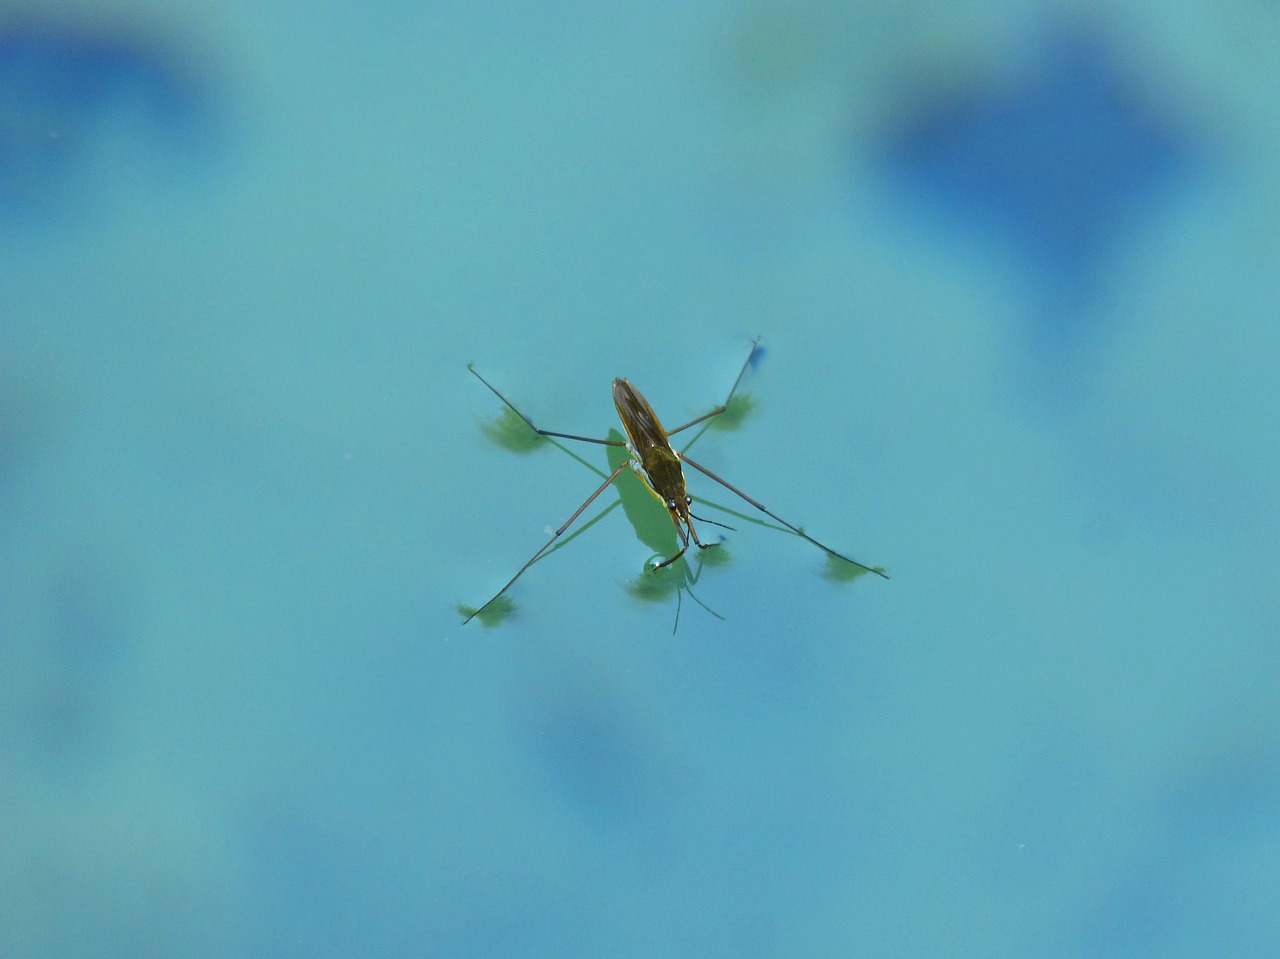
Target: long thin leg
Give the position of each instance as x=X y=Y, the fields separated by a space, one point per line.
x=705 y=416
x=529 y=422
x=555 y=536
x=755 y=347
x=684 y=544
x=685 y=537
x=795 y=529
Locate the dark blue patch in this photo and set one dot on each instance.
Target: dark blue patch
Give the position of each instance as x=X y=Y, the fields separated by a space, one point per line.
x=1052 y=170
x=593 y=757
x=59 y=85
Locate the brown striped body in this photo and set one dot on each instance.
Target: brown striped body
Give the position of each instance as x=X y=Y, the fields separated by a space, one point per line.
x=653 y=459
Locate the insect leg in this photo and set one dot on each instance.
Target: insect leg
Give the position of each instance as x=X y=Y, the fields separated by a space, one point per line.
x=668 y=562
x=795 y=529
x=547 y=545
x=528 y=422
x=684 y=540
x=755 y=347
x=684 y=543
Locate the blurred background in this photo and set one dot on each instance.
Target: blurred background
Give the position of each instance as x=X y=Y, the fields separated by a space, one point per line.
x=1015 y=270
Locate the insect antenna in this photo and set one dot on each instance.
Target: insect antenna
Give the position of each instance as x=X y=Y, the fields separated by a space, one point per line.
x=703 y=519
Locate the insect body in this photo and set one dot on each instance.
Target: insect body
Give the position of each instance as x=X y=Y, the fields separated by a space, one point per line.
x=655 y=462
x=658 y=465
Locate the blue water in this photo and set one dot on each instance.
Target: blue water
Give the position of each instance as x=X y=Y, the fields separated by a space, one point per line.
x=1015 y=279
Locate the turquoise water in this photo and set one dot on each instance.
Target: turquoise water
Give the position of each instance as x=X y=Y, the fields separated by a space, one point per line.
x=1015 y=283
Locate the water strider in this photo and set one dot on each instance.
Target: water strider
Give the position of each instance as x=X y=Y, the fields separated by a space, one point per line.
x=659 y=466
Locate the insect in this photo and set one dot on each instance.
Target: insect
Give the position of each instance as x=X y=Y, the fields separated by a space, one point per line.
x=658 y=465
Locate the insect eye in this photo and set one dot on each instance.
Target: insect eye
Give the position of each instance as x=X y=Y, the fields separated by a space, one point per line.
x=688 y=501
x=671 y=504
